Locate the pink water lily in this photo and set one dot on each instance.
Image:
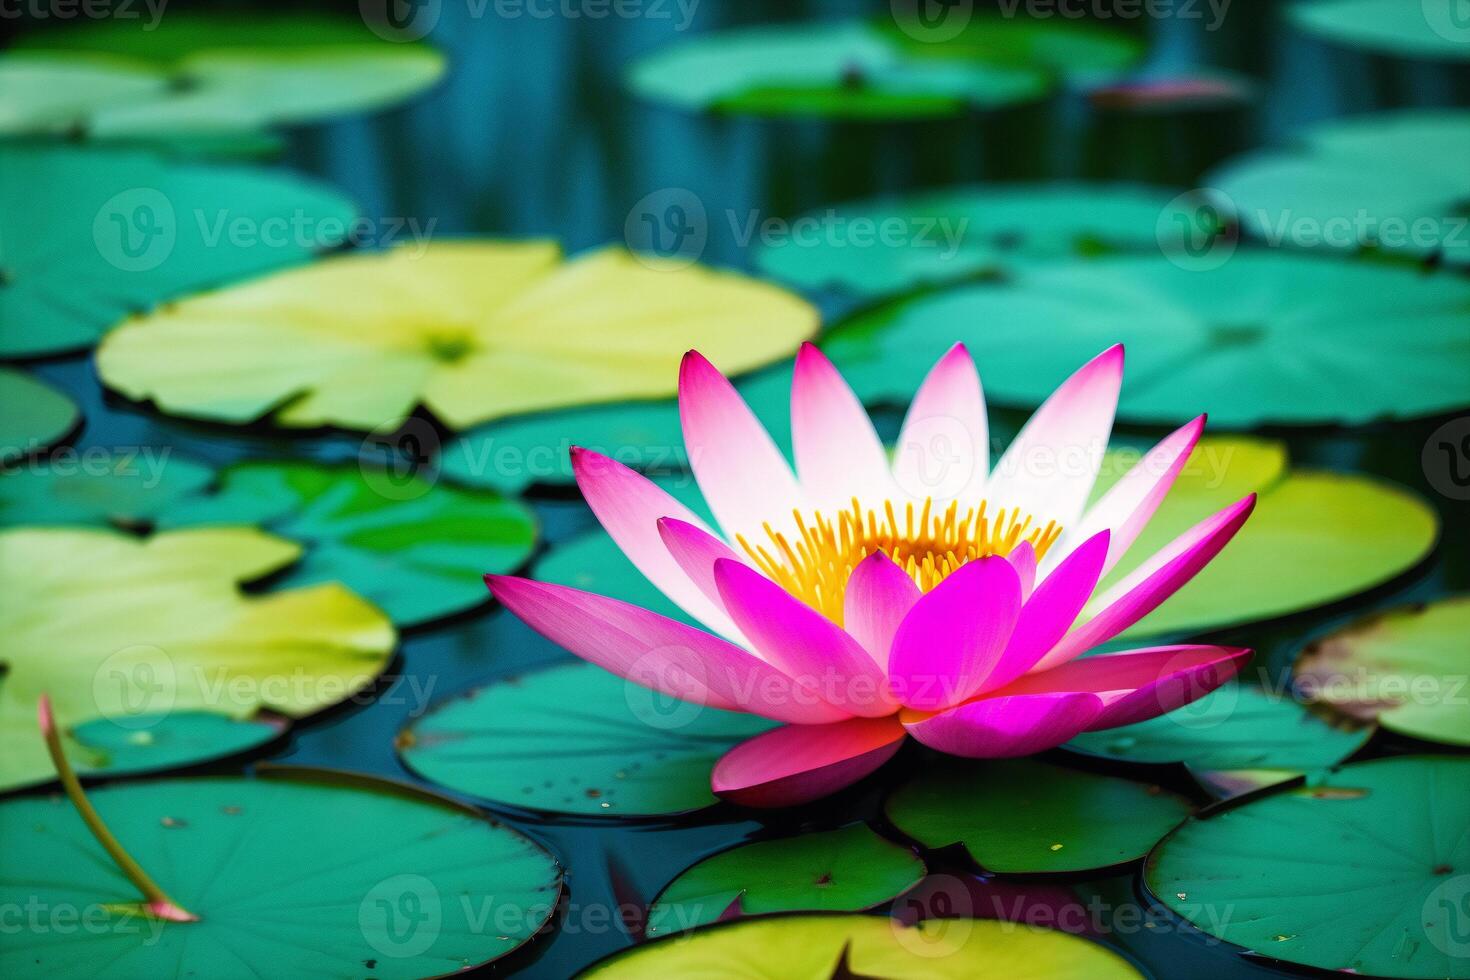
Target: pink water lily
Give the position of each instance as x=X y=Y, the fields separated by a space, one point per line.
x=861 y=600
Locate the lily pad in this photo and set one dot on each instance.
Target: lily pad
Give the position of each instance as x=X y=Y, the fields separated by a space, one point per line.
x=1023 y=817
x=36 y=415
x=1079 y=50
x=1268 y=336
x=866 y=946
x=845 y=870
x=1406 y=669
x=575 y=739
x=219 y=73
x=840 y=69
x=1292 y=553
x=419 y=550
x=1363 y=872
x=291 y=874
x=103 y=747
x=125 y=488
x=869 y=249
x=1235 y=739
x=1430 y=29
x=125 y=629
x=474 y=330
x=90 y=236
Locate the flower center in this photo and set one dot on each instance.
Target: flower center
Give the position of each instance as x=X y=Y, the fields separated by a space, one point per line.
x=815 y=564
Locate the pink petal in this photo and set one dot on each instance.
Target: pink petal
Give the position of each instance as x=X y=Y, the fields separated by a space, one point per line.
x=798 y=763
x=696 y=551
x=1004 y=727
x=1049 y=469
x=954 y=635
x=1023 y=560
x=1144 y=589
x=803 y=643
x=943 y=450
x=1050 y=612
x=879 y=594
x=1127 y=506
x=838 y=455
x=742 y=475
x=1138 y=684
x=659 y=653
x=629 y=506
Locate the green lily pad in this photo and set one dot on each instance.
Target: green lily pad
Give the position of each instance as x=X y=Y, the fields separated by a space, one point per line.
x=845 y=870
x=36 y=415
x=90 y=236
x=214 y=74
x=1268 y=336
x=1022 y=817
x=290 y=874
x=1292 y=554
x=820 y=946
x=874 y=248
x=473 y=329
x=124 y=488
x=119 y=628
x=419 y=550
x=575 y=739
x=47 y=95
x=1081 y=51
x=1404 y=668
x=840 y=69
x=1235 y=739
x=1430 y=29
x=1363 y=872
x=151 y=743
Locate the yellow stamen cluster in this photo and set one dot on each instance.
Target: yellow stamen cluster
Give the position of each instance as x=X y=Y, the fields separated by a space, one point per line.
x=815 y=564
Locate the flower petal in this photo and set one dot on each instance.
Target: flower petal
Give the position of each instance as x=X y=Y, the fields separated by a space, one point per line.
x=742 y=475
x=1004 y=727
x=1049 y=469
x=659 y=653
x=838 y=454
x=879 y=595
x=943 y=449
x=1138 y=684
x=1143 y=590
x=955 y=634
x=628 y=505
x=696 y=551
x=803 y=643
x=798 y=763
x=1023 y=559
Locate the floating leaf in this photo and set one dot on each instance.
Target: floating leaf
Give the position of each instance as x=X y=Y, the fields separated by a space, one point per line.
x=419 y=550
x=1083 y=51
x=150 y=743
x=576 y=739
x=291 y=874
x=844 y=69
x=1022 y=816
x=845 y=870
x=36 y=415
x=119 y=628
x=881 y=247
x=1405 y=669
x=1268 y=336
x=125 y=488
x=821 y=946
x=1237 y=737
x=475 y=330
x=89 y=236
x=1364 y=872
x=1433 y=29
x=49 y=95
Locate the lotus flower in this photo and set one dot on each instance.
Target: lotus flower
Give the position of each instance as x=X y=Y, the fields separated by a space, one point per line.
x=861 y=601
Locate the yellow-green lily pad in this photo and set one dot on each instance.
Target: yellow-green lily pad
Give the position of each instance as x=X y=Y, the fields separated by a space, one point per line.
x=36 y=415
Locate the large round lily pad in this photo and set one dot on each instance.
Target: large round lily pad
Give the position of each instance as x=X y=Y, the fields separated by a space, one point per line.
x=125 y=629
x=1364 y=872
x=823 y=946
x=36 y=415
x=103 y=747
x=124 y=488
x=1268 y=336
x=845 y=870
x=290 y=874
x=474 y=330
x=1022 y=817
x=419 y=550
x=1405 y=668
x=1431 y=29
x=1235 y=739
x=90 y=236
x=575 y=739
x=1082 y=51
